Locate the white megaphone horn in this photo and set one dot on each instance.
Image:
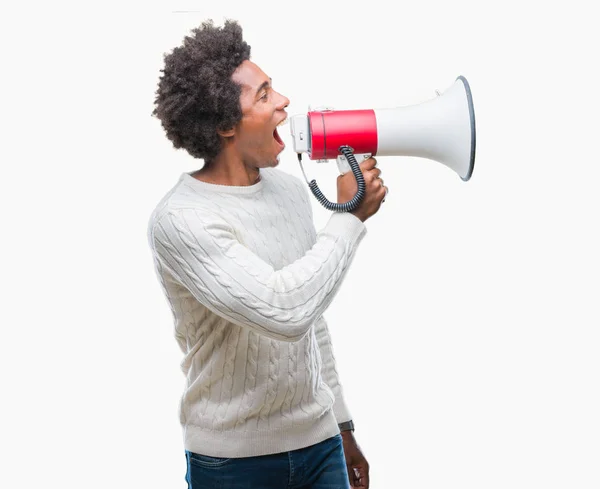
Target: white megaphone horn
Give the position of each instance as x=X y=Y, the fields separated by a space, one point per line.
x=440 y=129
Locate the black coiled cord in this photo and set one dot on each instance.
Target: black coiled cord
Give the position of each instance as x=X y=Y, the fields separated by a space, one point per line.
x=355 y=201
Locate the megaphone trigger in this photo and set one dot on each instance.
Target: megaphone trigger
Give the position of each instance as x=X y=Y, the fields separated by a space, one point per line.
x=343 y=165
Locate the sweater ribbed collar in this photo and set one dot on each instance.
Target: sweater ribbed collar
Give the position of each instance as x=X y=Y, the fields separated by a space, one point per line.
x=228 y=189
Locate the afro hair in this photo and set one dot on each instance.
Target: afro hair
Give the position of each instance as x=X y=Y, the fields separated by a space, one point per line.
x=196 y=96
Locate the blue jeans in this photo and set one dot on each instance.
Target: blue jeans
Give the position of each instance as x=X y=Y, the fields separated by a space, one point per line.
x=320 y=466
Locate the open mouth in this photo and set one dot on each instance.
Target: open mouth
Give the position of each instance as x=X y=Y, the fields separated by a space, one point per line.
x=276 y=134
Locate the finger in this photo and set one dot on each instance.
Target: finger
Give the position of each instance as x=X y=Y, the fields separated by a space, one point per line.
x=372 y=175
x=376 y=171
x=363 y=475
x=368 y=164
x=351 y=476
x=357 y=479
x=354 y=475
x=385 y=194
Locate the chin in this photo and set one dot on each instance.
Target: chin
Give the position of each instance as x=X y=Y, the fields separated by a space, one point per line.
x=268 y=161
x=275 y=161
x=278 y=157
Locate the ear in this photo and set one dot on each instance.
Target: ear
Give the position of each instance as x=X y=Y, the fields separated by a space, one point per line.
x=228 y=133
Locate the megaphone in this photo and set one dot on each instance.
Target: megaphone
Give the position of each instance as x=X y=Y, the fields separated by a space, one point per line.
x=440 y=129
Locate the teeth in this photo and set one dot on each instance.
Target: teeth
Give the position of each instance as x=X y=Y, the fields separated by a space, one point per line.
x=283 y=122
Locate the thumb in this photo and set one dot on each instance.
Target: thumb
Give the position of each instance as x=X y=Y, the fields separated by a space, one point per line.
x=351 y=475
x=350 y=471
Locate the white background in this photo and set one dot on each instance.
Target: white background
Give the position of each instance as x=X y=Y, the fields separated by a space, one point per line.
x=466 y=332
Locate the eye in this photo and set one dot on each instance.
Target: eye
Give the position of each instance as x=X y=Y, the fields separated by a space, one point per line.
x=265 y=96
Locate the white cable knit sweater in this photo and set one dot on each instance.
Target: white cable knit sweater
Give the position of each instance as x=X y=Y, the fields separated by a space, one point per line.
x=248 y=279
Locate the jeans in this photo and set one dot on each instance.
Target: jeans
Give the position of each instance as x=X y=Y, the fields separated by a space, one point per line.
x=320 y=466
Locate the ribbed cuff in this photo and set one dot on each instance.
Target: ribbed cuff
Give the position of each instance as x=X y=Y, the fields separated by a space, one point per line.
x=341 y=411
x=346 y=225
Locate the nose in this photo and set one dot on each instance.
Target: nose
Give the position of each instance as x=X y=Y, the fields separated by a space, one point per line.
x=283 y=102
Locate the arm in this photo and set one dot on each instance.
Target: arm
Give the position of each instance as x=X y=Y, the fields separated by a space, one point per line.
x=201 y=251
x=328 y=365
x=356 y=463
x=329 y=371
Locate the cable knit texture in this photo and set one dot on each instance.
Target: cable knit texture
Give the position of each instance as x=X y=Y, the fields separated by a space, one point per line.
x=248 y=278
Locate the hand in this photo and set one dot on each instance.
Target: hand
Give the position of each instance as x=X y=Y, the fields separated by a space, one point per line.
x=375 y=191
x=356 y=463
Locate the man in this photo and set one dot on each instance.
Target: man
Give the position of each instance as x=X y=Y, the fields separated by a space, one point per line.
x=248 y=279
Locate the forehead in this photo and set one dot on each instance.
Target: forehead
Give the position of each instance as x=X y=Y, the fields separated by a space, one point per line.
x=249 y=76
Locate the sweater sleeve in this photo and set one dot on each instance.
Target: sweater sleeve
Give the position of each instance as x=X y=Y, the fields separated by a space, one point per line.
x=201 y=251
x=329 y=371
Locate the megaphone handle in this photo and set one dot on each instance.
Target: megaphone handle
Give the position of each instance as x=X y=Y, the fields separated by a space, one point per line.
x=355 y=201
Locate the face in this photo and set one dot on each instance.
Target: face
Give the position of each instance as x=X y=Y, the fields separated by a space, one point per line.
x=263 y=109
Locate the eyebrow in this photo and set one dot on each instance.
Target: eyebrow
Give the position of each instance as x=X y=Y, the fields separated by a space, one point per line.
x=264 y=84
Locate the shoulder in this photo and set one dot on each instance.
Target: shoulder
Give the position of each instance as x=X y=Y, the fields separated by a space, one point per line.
x=179 y=200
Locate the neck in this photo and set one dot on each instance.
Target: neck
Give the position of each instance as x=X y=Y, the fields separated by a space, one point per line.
x=228 y=169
